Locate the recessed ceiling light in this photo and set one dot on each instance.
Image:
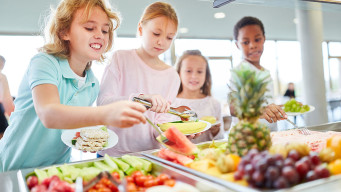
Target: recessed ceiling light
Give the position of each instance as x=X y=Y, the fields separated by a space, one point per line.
x=295 y=20
x=219 y=15
x=183 y=30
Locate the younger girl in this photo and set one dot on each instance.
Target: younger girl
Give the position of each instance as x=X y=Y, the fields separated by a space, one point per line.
x=195 y=92
x=249 y=35
x=140 y=72
x=59 y=86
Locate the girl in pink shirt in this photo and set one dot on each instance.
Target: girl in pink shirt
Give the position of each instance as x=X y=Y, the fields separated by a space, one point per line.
x=195 y=92
x=140 y=73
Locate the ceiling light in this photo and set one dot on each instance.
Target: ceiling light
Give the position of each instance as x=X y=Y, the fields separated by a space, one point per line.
x=295 y=20
x=183 y=30
x=219 y=15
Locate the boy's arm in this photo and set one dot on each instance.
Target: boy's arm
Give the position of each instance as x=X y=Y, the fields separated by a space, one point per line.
x=232 y=111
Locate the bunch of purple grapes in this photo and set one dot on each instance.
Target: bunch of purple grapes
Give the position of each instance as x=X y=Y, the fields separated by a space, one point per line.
x=263 y=170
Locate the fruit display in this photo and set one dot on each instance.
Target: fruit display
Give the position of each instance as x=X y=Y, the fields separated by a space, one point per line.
x=186 y=127
x=247 y=100
x=264 y=170
x=293 y=106
x=283 y=165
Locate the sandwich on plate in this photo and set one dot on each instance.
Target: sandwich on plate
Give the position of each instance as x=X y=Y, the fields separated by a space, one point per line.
x=92 y=140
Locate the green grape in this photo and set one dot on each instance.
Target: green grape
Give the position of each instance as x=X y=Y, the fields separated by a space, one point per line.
x=294 y=106
x=306 y=107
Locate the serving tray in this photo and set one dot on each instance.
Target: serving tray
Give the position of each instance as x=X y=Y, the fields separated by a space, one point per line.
x=330 y=184
x=157 y=168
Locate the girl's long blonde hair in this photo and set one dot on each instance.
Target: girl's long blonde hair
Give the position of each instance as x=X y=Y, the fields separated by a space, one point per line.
x=206 y=88
x=60 y=22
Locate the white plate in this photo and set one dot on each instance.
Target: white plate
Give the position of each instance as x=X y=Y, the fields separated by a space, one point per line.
x=312 y=108
x=68 y=135
x=216 y=123
x=208 y=126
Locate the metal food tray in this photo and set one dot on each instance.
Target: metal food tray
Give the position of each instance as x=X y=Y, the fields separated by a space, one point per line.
x=336 y=126
x=157 y=168
x=330 y=184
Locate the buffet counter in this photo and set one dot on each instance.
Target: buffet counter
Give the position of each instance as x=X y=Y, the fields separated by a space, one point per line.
x=15 y=180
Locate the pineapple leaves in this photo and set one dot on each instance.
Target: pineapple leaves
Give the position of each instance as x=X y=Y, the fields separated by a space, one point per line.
x=249 y=91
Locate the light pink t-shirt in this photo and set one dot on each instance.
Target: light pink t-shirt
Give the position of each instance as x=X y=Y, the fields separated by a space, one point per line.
x=125 y=77
x=207 y=106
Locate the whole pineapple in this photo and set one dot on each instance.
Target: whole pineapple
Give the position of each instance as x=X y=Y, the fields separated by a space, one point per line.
x=248 y=98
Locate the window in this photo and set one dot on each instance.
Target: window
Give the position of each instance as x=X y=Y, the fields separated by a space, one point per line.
x=220 y=72
x=289 y=66
x=18 y=51
x=209 y=48
x=334 y=49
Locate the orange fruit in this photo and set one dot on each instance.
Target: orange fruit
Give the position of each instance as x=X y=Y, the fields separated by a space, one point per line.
x=236 y=160
x=335 y=167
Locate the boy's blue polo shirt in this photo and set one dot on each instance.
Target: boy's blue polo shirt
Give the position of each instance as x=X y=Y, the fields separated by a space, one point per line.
x=26 y=142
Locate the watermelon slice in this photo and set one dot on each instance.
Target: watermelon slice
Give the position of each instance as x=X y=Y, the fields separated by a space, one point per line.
x=174 y=157
x=180 y=143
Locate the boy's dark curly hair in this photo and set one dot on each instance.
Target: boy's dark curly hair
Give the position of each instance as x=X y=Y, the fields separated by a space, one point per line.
x=245 y=21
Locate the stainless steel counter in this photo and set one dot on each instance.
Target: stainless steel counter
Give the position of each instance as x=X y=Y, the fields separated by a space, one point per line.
x=15 y=181
x=11 y=181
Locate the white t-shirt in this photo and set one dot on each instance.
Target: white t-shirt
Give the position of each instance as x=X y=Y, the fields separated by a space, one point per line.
x=207 y=106
x=270 y=87
x=81 y=80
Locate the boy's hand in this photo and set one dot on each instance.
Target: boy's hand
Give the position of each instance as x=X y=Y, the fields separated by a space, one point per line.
x=159 y=104
x=125 y=114
x=214 y=131
x=273 y=113
x=193 y=136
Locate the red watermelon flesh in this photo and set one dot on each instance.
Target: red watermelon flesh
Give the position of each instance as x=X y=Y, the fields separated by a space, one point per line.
x=180 y=143
x=174 y=157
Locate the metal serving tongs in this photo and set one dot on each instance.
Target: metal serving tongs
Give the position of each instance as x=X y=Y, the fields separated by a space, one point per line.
x=164 y=140
x=120 y=186
x=182 y=111
x=302 y=130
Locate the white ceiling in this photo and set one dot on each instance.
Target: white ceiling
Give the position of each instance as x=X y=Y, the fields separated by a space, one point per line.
x=24 y=17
